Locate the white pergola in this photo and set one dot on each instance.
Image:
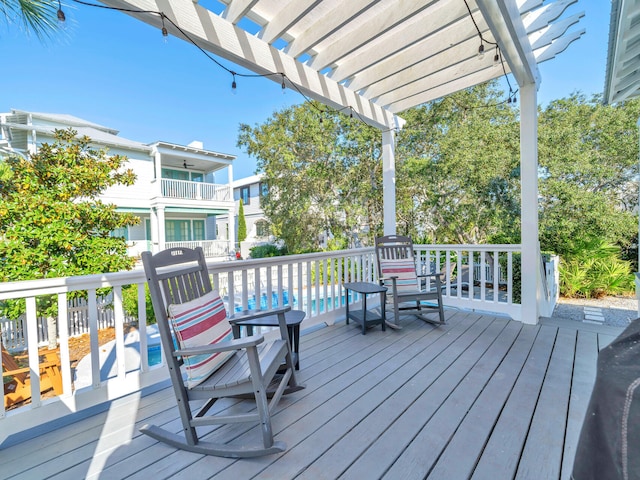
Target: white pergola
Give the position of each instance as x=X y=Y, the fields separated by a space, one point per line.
x=622 y=78
x=381 y=57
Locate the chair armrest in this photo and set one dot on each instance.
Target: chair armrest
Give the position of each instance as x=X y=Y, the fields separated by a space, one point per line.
x=252 y=314
x=422 y=275
x=235 y=344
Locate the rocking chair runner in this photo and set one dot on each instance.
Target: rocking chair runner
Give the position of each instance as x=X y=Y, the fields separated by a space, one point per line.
x=217 y=365
x=406 y=289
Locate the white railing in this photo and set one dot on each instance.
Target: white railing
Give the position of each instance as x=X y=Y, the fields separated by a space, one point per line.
x=477 y=277
x=195 y=190
x=310 y=282
x=211 y=248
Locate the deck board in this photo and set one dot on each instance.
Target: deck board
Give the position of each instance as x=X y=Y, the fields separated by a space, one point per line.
x=480 y=397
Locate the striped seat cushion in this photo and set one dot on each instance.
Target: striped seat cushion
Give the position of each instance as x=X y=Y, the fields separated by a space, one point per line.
x=405 y=271
x=202 y=321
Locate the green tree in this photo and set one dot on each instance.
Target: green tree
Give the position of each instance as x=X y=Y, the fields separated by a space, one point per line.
x=51 y=223
x=323 y=173
x=458 y=175
x=588 y=155
x=242 y=223
x=38 y=16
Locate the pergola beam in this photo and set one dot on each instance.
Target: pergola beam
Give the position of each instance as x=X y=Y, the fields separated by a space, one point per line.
x=220 y=37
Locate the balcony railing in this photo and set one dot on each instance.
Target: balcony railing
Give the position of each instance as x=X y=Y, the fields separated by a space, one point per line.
x=211 y=248
x=310 y=282
x=195 y=190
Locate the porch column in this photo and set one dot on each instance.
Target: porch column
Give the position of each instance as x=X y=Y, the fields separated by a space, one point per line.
x=530 y=259
x=232 y=213
x=389 y=182
x=160 y=228
x=153 y=226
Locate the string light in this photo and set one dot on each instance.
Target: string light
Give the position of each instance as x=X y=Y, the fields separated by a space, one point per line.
x=61 y=15
x=165 y=34
x=481 y=50
x=497 y=58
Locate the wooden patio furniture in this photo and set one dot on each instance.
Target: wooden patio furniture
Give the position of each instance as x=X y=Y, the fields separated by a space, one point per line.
x=18 y=389
x=408 y=291
x=216 y=365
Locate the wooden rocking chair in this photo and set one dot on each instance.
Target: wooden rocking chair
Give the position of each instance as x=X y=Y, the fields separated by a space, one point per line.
x=18 y=389
x=407 y=290
x=216 y=364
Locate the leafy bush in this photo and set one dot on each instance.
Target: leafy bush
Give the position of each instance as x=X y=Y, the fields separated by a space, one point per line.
x=594 y=269
x=130 y=302
x=268 y=250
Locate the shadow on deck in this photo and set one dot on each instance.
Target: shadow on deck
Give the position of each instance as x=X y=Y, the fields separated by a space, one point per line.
x=481 y=397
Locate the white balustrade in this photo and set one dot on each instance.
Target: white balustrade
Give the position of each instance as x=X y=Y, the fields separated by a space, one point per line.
x=310 y=282
x=195 y=190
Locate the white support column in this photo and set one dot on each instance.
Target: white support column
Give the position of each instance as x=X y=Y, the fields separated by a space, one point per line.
x=389 y=181
x=153 y=225
x=161 y=229
x=157 y=174
x=529 y=203
x=232 y=213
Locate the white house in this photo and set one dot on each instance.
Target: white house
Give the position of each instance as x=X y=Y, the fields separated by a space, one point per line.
x=250 y=190
x=175 y=194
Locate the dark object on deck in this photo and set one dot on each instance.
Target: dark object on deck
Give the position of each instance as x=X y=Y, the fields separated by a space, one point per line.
x=609 y=445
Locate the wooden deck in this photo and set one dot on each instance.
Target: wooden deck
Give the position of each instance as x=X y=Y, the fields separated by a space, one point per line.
x=481 y=397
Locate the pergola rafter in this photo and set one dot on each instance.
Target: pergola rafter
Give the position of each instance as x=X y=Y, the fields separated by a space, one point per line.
x=378 y=58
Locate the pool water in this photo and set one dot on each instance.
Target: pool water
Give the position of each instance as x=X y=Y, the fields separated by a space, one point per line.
x=154 y=355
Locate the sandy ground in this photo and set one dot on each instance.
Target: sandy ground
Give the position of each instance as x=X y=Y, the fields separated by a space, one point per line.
x=617 y=311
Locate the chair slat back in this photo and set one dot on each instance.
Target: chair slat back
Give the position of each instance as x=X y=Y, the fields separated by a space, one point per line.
x=393 y=247
x=175 y=276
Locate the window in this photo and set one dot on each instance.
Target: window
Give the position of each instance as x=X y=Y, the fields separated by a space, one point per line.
x=262 y=228
x=244 y=195
x=264 y=189
x=178 y=230
x=198 y=229
x=175 y=174
x=121 y=232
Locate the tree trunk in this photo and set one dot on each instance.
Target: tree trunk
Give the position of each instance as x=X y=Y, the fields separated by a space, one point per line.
x=52 y=332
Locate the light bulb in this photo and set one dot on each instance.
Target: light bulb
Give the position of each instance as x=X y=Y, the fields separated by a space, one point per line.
x=496 y=58
x=234 y=86
x=61 y=16
x=481 y=51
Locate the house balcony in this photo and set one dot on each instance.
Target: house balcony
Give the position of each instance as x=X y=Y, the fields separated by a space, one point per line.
x=186 y=190
x=372 y=401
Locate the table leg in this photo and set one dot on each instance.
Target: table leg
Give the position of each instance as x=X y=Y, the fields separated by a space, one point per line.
x=383 y=299
x=364 y=313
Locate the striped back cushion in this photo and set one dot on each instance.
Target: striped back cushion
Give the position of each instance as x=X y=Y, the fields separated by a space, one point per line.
x=202 y=321
x=404 y=269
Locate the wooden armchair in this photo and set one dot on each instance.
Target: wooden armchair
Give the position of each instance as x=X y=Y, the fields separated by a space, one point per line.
x=407 y=290
x=19 y=388
x=216 y=365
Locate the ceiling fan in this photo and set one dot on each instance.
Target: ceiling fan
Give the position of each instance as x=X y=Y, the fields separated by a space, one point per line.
x=186 y=165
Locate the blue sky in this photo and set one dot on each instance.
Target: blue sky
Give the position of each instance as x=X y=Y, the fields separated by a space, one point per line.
x=117 y=71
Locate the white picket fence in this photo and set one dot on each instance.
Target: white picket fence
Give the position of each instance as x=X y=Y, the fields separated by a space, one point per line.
x=13 y=331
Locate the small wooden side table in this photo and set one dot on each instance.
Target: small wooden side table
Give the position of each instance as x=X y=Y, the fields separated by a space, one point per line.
x=365 y=317
x=293 y=319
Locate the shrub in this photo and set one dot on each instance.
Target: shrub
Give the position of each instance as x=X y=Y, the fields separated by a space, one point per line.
x=130 y=302
x=268 y=250
x=594 y=269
